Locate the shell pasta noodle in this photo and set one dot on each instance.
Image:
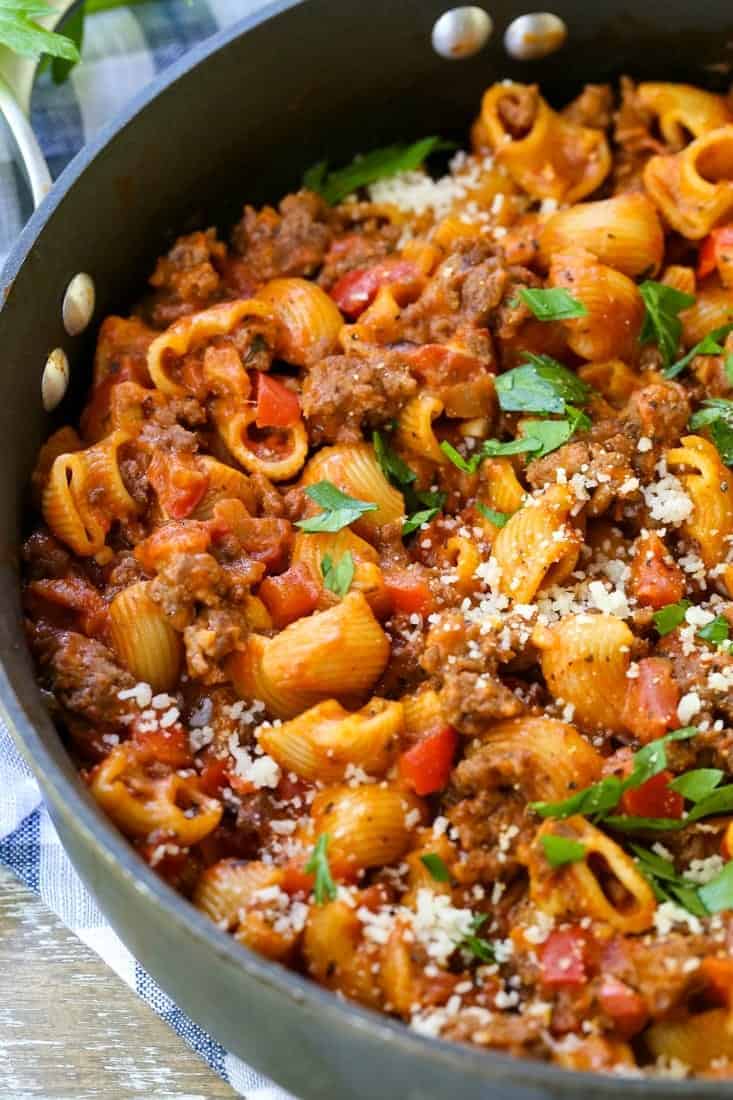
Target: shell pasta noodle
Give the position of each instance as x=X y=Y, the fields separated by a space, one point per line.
x=383 y=586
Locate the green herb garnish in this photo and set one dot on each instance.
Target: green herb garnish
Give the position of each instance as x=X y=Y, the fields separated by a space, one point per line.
x=667 y=885
x=716 y=414
x=552 y=305
x=324 y=888
x=499 y=519
x=339 y=510
x=375 y=165
x=715 y=632
x=717 y=894
x=476 y=945
x=669 y=617
x=436 y=867
x=698 y=784
x=20 y=32
x=662 y=324
x=709 y=345
x=560 y=850
x=394 y=468
x=338 y=577
x=540 y=385
x=606 y=794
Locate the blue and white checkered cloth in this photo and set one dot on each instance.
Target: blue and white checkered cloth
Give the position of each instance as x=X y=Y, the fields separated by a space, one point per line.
x=123 y=50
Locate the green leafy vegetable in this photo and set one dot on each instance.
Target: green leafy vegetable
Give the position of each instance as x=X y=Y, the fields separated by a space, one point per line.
x=376 y=165
x=716 y=414
x=436 y=867
x=393 y=467
x=606 y=794
x=499 y=519
x=719 y=801
x=551 y=434
x=630 y=823
x=552 y=305
x=666 y=883
x=662 y=324
x=324 y=887
x=20 y=32
x=339 y=510
x=476 y=945
x=698 y=784
x=560 y=850
x=715 y=632
x=718 y=893
x=541 y=385
x=671 y=616
x=422 y=504
x=709 y=345
x=468 y=465
x=337 y=578
x=728 y=368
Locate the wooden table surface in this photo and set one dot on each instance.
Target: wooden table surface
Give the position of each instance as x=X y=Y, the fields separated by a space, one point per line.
x=70 y=1029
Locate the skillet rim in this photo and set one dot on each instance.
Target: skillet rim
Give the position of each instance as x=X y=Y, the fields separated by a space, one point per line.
x=66 y=794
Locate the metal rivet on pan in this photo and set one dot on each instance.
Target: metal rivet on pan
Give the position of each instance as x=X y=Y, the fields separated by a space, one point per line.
x=78 y=304
x=461 y=32
x=55 y=379
x=535 y=35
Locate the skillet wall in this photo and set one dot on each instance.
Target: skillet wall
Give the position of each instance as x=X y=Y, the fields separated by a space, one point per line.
x=327 y=78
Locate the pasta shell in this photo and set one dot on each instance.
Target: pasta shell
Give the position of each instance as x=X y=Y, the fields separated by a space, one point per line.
x=224 y=483
x=538 y=547
x=140 y=805
x=321 y=743
x=623 y=232
x=611 y=328
x=605 y=884
x=613 y=379
x=279 y=453
x=681 y=278
x=553 y=158
x=697 y=1040
x=336 y=954
x=545 y=758
x=354 y=469
x=694 y=188
x=341 y=652
x=585 y=659
x=713 y=308
x=708 y=483
x=415 y=428
x=244 y=898
x=423 y=711
x=368 y=826
x=193 y=332
x=143 y=638
x=309 y=320
x=683 y=110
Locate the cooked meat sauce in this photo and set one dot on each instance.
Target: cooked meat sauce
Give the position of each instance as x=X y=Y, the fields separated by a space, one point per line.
x=384 y=592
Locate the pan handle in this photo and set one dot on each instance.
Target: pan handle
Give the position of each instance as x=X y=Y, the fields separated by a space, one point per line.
x=16 y=83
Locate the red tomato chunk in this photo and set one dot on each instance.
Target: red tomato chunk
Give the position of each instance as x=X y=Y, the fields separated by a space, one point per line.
x=426 y=766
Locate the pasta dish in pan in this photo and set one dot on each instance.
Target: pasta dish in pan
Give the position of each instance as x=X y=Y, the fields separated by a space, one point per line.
x=383 y=593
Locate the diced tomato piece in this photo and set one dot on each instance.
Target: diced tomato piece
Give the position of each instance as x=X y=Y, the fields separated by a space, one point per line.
x=718 y=977
x=172 y=538
x=463 y=382
x=427 y=765
x=650 y=706
x=277 y=406
x=167 y=746
x=179 y=484
x=625 y=1007
x=564 y=957
x=215 y=775
x=656 y=579
x=716 y=249
x=74 y=603
x=654 y=798
x=652 y=696
x=289 y=596
x=296 y=880
x=356 y=290
x=409 y=591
